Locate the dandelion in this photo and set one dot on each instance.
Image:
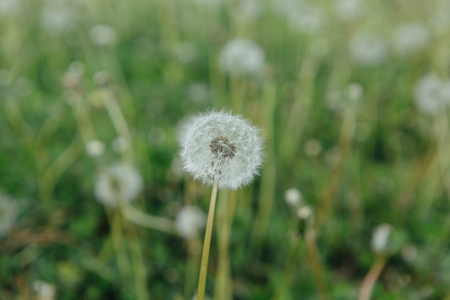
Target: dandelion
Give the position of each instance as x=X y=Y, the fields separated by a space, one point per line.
x=225 y=151
x=431 y=94
x=8 y=213
x=410 y=38
x=189 y=221
x=57 y=19
x=305 y=212
x=380 y=238
x=219 y=147
x=293 y=197
x=116 y=184
x=367 y=50
x=349 y=10
x=242 y=57
x=301 y=16
x=95 y=148
x=103 y=35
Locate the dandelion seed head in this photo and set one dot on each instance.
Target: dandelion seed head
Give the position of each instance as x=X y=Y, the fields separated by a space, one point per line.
x=410 y=38
x=95 y=148
x=8 y=213
x=242 y=57
x=305 y=212
x=217 y=146
x=367 y=50
x=293 y=197
x=380 y=237
x=103 y=35
x=189 y=221
x=118 y=183
x=431 y=94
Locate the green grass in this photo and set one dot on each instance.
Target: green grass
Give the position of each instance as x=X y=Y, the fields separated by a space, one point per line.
x=392 y=165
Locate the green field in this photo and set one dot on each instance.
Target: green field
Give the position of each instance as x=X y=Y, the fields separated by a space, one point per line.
x=351 y=97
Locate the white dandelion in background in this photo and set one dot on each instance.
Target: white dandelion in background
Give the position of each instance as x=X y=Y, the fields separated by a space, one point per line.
x=95 y=148
x=57 y=19
x=432 y=94
x=301 y=15
x=225 y=151
x=380 y=238
x=217 y=146
x=8 y=213
x=103 y=35
x=189 y=221
x=349 y=10
x=118 y=183
x=410 y=38
x=293 y=197
x=242 y=57
x=367 y=50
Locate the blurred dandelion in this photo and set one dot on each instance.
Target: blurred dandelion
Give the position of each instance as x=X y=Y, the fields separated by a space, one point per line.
x=380 y=238
x=293 y=197
x=95 y=148
x=349 y=10
x=58 y=19
x=410 y=38
x=431 y=94
x=118 y=183
x=367 y=50
x=103 y=35
x=8 y=213
x=242 y=57
x=189 y=221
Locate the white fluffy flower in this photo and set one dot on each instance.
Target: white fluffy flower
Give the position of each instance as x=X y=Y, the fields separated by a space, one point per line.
x=8 y=213
x=410 y=38
x=293 y=197
x=103 y=35
x=217 y=146
x=380 y=238
x=367 y=50
x=349 y=10
x=95 y=148
x=242 y=57
x=189 y=221
x=118 y=183
x=58 y=19
x=431 y=93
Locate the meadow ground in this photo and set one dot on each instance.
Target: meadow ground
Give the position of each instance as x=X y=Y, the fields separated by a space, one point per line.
x=352 y=100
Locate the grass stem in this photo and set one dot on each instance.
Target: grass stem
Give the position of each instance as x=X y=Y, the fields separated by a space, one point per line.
x=207 y=244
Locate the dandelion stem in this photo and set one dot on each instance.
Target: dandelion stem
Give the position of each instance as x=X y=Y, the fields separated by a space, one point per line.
x=207 y=244
x=314 y=257
x=369 y=281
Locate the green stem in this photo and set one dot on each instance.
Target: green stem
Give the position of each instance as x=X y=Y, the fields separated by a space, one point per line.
x=369 y=281
x=206 y=245
x=316 y=264
x=223 y=289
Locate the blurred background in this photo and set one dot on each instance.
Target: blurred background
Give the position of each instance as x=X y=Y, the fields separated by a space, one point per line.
x=352 y=98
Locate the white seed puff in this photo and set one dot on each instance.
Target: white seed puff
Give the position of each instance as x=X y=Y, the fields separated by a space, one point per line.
x=217 y=146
